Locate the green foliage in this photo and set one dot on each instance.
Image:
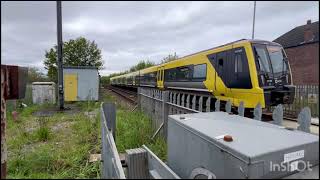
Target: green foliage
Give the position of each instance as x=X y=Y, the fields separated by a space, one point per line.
x=142 y=65
x=35 y=75
x=133 y=130
x=169 y=58
x=158 y=147
x=78 y=52
x=63 y=155
x=105 y=80
x=43 y=132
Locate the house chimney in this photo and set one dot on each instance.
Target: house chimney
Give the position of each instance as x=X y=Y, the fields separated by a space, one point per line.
x=309 y=21
x=308 y=35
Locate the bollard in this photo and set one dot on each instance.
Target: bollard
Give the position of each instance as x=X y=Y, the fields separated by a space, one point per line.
x=304 y=120
x=208 y=104
x=277 y=115
x=217 y=105
x=194 y=102
x=228 y=106
x=241 y=109
x=257 y=112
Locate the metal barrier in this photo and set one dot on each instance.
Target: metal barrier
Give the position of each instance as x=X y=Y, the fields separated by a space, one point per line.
x=141 y=162
x=111 y=164
x=159 y=104
x=306 y=95
x=144 y=164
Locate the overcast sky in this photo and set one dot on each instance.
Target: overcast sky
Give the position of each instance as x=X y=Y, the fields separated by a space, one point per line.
x=127 y=32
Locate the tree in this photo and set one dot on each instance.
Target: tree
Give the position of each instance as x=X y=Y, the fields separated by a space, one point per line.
x=142 y=65
x=78 y=52
x=35 y=75
x=169 y=58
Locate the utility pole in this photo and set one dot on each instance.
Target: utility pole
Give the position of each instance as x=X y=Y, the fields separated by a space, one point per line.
x=60 y=62
x=254 y=17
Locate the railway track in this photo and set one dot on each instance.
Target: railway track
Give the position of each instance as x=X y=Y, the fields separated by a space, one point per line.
x=128 y=95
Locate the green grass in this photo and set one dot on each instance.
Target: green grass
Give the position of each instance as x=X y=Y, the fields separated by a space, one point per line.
x=134 y=130
x=47 y=153
x=60 y=146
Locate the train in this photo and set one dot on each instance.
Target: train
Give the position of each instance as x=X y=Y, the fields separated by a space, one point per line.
x=248 y=70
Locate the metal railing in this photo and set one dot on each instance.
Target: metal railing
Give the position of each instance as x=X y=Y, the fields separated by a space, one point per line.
x=111 y=164
x=159 y=104
x=305 y=96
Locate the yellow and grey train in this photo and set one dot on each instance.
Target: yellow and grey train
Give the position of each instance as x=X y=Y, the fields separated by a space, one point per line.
x=252 y=71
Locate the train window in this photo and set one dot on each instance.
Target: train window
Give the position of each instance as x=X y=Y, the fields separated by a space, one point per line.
x=200 y=71
x=171 y=74
x=240 y=77
x=183 y=74
x=237 y=63
x=261 y=55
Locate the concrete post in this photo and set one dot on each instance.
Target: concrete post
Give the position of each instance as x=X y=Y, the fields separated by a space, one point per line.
x=208 y=104
x=304 y=120
x=257 y=112
x=277 y=115
x=217 y=105
x=241 y=109
x=165 y=114
x=188 y=101
x=194 y=102
x=228 y=106
x=200 y=103
x=139 y=98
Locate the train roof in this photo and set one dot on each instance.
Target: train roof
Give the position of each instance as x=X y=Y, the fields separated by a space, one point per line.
x=153 y=68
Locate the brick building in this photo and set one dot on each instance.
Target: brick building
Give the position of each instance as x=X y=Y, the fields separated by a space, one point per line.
x=302 y=48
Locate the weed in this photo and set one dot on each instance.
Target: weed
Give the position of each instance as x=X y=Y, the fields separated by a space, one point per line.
x=43 y=132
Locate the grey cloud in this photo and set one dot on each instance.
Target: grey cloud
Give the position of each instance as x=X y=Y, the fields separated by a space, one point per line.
x=127 y=32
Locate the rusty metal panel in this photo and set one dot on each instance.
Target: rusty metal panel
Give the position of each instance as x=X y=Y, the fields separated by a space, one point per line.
x=16 y=78
x=22 y=81
x=4 y=86
x=13 y=86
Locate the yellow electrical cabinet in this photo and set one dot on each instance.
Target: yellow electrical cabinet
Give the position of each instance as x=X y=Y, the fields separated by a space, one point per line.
x=71 y=87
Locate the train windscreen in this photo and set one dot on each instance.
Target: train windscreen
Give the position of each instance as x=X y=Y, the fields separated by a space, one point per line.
x=277 y=58
x=272 y=65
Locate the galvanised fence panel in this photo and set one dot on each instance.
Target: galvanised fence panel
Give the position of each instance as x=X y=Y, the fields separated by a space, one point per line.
x=111 y=164
x=306 y=96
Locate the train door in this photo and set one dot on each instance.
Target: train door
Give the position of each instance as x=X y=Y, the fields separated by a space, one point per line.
x=160 y=77
x=222 y=67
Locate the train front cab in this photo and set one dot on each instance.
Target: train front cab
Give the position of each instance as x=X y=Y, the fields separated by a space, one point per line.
x=274 y=73
x=238 y=74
